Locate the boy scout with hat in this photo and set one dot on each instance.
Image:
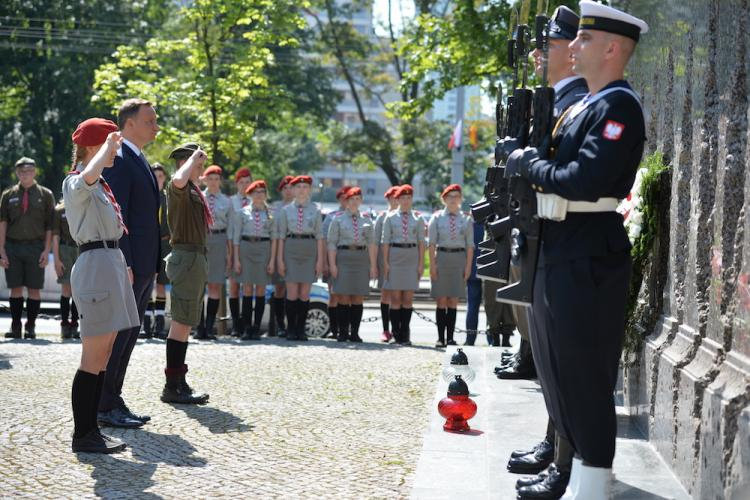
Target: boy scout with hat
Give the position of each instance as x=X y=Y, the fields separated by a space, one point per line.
x=187 y=268
x=26 y=217
x=585 y=250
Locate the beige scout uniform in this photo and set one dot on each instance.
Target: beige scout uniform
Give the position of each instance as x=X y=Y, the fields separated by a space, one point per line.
x=253 y=229
x=222 y=211
x=452 y=234
x=99 y=279
x=379 y=220
x=300 y=226
x=402 y=231
x=350 y=236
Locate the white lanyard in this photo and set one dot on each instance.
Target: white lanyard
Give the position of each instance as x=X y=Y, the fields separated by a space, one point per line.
x=589 y=99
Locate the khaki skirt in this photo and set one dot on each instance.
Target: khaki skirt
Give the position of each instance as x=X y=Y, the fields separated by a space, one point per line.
x=450 y=281
x=299 y=259
x=254 y=256
x=216 y=246
x=68 y=256
x=402 y=274
x=354 y=273
x=103 y=293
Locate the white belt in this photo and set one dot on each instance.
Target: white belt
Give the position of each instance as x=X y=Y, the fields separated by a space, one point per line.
x=556 y=208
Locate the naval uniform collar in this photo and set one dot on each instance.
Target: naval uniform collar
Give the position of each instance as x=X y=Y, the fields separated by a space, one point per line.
x=564 y=82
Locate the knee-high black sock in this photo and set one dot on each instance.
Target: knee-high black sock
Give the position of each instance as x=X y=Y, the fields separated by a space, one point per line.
x=64 y=309
x=344 y=319
x=83 y=396
x=302 y=308
x=176 y=352
x=73 y=312
x=16 y=309
x=450 y=325
x=405 y=322
x=247 y=310
x=333 y=316
x=212 y=307
x=396 y=324
x=356 y=318
x=32 y=310
x=234 y=309
x=385 y=316
x=260 y=306
x=98 y=396
x=440 y=320
x=291 y=316
x=279 y=310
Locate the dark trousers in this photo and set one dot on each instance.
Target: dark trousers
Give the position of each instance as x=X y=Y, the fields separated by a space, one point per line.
x=123 y=347
x=577 y=341
x=473 y=301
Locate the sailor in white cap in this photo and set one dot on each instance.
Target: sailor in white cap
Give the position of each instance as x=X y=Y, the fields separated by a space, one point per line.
x=584 y=272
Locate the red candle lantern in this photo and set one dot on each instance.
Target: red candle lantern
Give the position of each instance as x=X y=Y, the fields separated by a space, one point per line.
x=457 y=407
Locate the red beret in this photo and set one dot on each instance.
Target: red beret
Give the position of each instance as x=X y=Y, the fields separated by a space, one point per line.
x=341 y=192
x=301 y=179
x=286 y=180
x=213 y=169
x=390 y=192
x=242 y=173
x=353 y=191
x=449 y=189
x=255 y=185
x=93 y=132
x=405 y=190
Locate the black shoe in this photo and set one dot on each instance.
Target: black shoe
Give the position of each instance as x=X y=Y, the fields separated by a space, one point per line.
x=117 y=418
x=541 y=445
x=141 y=418
x=440 y=344
x=280 y=332
x=65 y=332
x=302 y=336
x=176 y=390
x=96 y=442
x=533 y=463
x=529 y=480
x=506 y=340
x=29 y=331
x=451 y=342
x=145 y=332
x=200 y=333
x=74 y=331
x=15 y=331
x=354 y=337
x=552 y=487
x=506 y=360
x=517 y=371
x=341 y=337
x=159 y=327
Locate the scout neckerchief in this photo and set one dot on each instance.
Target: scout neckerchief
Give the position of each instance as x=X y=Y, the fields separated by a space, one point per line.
x=206 y=212
x=111 y=197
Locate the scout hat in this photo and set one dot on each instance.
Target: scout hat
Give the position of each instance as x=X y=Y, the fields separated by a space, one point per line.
x=213 y=169
x=390 y=192
x=352 y=191
x=405 y=190
x=286 y=180
x=255 y=185
x=306 y=179
x=184 y=151
x=595 y=16
x=450 y=189
x=242 y=173
x=25 y=162
x=342 y=191
x=93 y=132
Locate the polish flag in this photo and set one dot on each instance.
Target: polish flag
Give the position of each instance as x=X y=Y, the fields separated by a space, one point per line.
x=455 y=141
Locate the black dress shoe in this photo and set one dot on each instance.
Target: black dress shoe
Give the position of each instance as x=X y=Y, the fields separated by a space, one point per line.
x=117 y=418
x=533 y=463
x=507 y=361
x=541 y=445
x=451 y=342
x=517 y=371
x=142 y=418
x=178 y=391
x=96 y=442
x=529 y=480
x=30 y=332
x=552 y=487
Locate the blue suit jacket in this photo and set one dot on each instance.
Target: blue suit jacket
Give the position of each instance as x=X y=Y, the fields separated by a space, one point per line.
x=134 y=187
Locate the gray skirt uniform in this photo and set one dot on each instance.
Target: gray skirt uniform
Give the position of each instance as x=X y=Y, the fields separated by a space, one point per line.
x=299 y=259
x=402 y=274
x=254 y=256
x=381 y=278
x=103 y=293
x=354 y=272
x=217 y=257
x=450 y=281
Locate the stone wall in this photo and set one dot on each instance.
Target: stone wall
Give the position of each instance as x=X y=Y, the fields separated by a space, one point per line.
x=689 y=386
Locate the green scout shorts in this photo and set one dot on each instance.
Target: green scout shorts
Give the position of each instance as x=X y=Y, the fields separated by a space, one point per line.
x=187 y=269
x=161 y=277
x=23 y=268
x=68 y=255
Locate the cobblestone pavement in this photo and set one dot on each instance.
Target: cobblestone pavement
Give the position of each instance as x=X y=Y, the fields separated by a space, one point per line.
x=285 y=420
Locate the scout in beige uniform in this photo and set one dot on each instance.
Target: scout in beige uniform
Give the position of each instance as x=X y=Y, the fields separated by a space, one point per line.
x=279 y=286
x=390 y=198
x=352 y=258
x=242 y=179
x=300 y=254
x=26 y=213
x=403 y=261
x=254 y=232
x=65 y=251
x=189 y=219
x=219 y=246
x=333 y=298
x=99 y=278
x=451 y=243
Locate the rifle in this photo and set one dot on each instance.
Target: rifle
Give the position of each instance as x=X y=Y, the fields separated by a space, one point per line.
x=523 y=221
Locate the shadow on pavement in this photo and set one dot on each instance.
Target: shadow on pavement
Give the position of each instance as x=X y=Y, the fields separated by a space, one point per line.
x=116 y=478
x=215 y=420
x=5 y=362
x=329 y=343
x=624 y=491
x=169 y=449
x=36 y=341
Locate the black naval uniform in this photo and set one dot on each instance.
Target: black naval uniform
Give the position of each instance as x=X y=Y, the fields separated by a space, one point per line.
x=584 y=267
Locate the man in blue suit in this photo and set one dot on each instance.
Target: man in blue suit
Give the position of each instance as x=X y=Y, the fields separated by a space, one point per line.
x=136 y=190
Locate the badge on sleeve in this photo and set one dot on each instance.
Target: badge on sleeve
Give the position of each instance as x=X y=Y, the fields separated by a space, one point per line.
x=613 y=130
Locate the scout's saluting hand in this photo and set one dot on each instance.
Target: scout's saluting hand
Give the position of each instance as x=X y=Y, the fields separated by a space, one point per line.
x=182 y=176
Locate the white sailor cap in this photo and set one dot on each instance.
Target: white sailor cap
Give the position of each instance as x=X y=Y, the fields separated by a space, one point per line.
x=595 y=16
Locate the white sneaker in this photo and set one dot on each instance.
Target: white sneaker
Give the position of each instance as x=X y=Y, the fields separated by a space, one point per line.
x=572 y=490
x=594 y=483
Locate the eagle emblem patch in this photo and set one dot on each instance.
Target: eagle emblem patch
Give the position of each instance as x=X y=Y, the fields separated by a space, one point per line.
x=613 y=130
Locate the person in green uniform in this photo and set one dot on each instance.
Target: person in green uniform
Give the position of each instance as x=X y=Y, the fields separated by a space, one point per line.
x=26 y=216
x=187 y=268
x=153 y=320
x=65 y=251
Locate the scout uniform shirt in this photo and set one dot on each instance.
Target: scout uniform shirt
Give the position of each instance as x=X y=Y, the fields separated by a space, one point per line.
x=60 y=226
x=379 y=225
x=300 y=219
x=221 y=210
x=329 y=218
x=349 y=229
x=28 y=212
x=186 y=214
x=447 y=230
x=403 y=227
x=92 y=212
x=253 y=223
x=239 y=201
